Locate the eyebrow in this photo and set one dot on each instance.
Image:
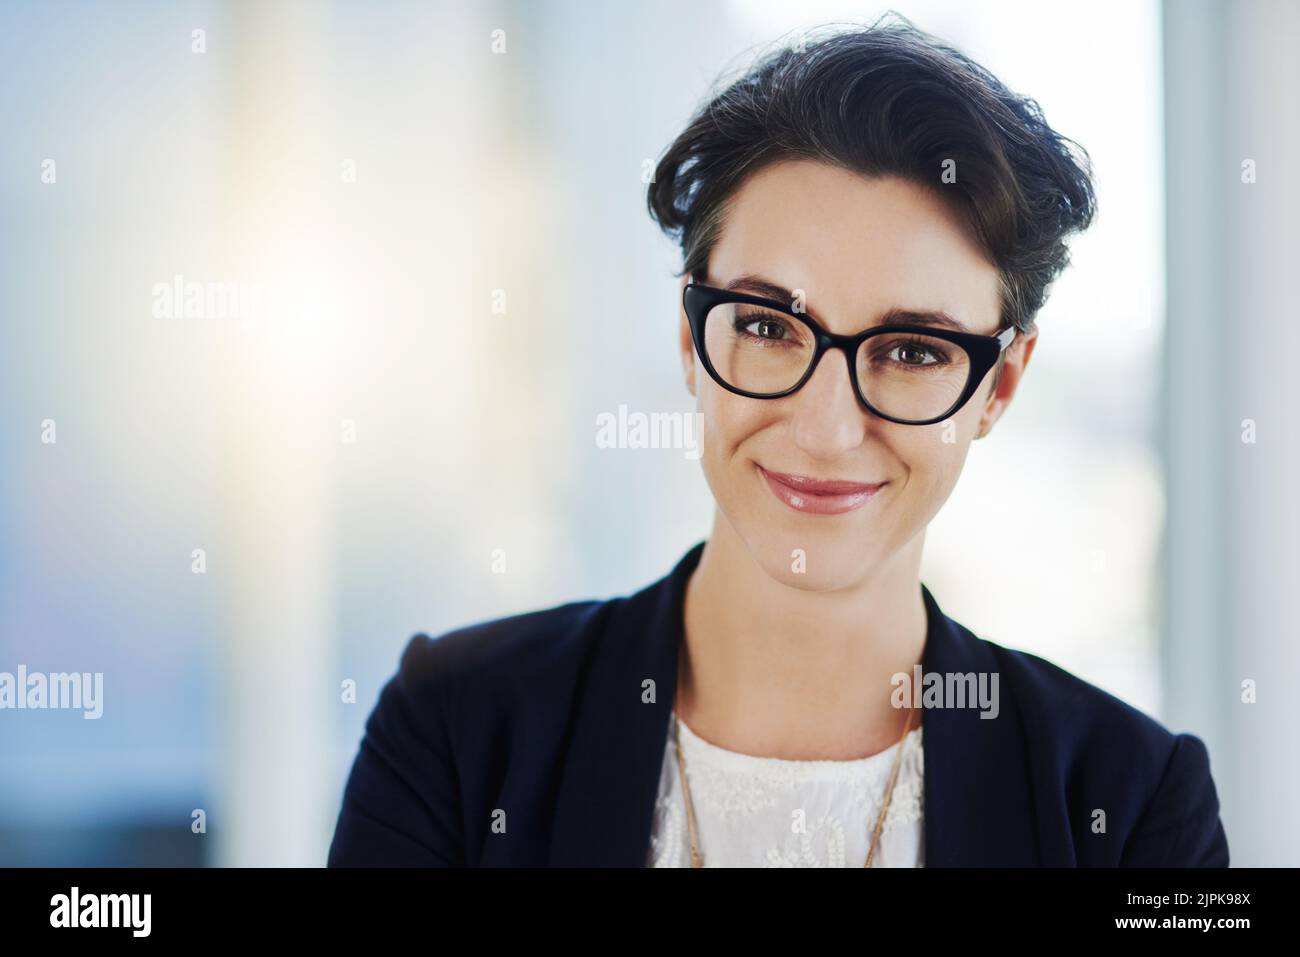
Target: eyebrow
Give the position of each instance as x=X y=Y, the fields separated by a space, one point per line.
x=758 y=286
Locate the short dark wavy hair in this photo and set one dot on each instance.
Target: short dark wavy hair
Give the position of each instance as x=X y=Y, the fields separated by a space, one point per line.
x=888 y=99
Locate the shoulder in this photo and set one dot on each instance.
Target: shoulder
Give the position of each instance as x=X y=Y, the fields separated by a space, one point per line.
x=442 y=721
x=1080 y=711
x=502 y=684
x=503 y=653
x=1155 y=783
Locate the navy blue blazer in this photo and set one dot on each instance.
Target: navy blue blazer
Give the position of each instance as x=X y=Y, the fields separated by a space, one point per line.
x=538 y=721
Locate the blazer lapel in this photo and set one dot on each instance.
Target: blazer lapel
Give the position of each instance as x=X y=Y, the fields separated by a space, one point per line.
x=605 y=805
x=978 y=810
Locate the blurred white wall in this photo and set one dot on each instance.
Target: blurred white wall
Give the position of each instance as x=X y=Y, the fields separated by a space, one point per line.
x=1230 y=398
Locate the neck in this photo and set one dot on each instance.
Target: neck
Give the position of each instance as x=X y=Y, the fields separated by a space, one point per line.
x=794 y=674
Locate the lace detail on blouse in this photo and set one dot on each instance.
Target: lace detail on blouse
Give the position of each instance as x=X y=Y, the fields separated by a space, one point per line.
x=770 y=812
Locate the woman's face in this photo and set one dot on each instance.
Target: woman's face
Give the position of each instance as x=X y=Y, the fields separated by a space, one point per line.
x=857 y=248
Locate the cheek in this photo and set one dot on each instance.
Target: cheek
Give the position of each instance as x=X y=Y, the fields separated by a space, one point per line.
x=729 y=422
x=729 y=419
x=934 y=456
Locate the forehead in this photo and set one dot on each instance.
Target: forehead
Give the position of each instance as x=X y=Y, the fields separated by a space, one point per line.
x=856 y=246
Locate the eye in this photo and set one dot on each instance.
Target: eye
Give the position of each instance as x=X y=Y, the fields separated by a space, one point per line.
x=915 y=354
x=912 y=352
x=908 y=353
x=763 y=326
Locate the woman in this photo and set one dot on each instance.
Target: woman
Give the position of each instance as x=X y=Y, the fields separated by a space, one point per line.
x=869 y=225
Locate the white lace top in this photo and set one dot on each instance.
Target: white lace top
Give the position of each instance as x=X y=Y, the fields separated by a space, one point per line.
x=747 y=808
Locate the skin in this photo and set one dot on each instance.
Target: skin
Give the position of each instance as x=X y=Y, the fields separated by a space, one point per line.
x=798 y=665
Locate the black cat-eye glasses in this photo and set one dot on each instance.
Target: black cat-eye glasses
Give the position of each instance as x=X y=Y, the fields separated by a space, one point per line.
x=905 y=372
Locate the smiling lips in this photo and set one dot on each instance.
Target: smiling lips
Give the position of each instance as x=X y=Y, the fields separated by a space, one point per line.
x=819 y=497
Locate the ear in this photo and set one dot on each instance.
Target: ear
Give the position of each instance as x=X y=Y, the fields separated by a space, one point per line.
x=1014 y=361
x=685 y=344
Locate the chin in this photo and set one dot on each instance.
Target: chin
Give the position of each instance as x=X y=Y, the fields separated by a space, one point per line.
x=829 y=562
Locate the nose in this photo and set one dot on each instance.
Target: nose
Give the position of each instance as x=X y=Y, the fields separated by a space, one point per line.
x=827 y=419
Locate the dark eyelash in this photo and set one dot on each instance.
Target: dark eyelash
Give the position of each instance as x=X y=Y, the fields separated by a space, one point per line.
x=741 y=320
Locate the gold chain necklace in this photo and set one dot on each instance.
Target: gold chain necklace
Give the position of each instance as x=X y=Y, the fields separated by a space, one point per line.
x=697 y=861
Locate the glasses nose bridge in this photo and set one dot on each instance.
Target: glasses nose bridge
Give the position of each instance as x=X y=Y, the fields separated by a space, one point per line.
x=830 y=341
x=833 y=342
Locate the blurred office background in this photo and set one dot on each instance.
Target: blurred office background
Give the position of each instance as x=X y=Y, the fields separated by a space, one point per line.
x=432 y=203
